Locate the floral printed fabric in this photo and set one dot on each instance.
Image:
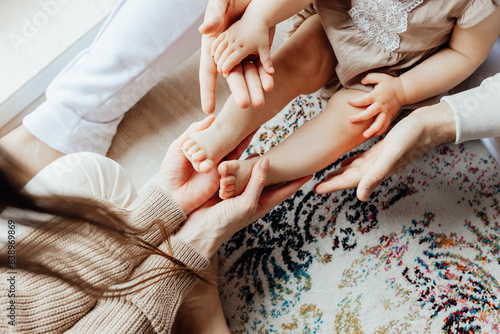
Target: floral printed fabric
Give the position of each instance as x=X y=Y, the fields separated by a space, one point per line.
x=422 y=256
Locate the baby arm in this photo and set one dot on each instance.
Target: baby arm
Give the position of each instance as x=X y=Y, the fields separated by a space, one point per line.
x=445 y=69
x=467 y=49
x=250 y=35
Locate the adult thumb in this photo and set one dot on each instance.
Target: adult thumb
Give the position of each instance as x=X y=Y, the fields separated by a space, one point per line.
x=214 y=16
x=372 y=179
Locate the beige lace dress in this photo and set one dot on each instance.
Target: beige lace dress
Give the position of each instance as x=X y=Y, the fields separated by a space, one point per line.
x=391 y=36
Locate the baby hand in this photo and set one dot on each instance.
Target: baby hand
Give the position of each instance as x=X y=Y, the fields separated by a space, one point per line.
x=246 y=37
x=384 y=102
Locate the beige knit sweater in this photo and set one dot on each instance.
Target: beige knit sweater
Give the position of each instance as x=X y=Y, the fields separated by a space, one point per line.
x=48 y=305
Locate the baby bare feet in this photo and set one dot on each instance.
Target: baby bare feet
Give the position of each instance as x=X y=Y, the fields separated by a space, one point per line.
x=234 y=177
x=197 y=156
x=207 y=147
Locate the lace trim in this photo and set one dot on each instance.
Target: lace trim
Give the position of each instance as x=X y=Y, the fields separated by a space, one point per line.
x=383 y=21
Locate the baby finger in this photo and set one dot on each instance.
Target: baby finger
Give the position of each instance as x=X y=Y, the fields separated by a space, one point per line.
x=376 y=125
x=223 y=57
x=374 y=78
x=362 y=101
x=223 y=46
x=383 y=130
x=368 y=113
x=216 y=42
x=231 y=61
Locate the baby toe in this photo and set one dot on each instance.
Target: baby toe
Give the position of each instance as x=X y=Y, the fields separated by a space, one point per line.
x=206 y=166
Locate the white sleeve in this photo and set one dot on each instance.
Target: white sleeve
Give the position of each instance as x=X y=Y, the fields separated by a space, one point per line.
x=141 y=41
x=477 y=111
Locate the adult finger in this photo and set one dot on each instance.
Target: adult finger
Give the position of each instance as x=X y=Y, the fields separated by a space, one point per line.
x=373 y=177
x=256 y=184
x=266 y=79
x=238 y=86
x=214 y=16
x=357 y=162
x=346 y=178
x=350 y=173
x=254 y=86
x=208 y=77
x=387 y=158
x=350 y=160
x=276 y=195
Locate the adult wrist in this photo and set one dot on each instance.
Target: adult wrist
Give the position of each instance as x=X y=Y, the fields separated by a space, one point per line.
x=439 y=123
x=203 y=238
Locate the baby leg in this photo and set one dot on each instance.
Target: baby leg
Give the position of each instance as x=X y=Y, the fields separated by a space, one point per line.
x=302 y=65
x=315 y=145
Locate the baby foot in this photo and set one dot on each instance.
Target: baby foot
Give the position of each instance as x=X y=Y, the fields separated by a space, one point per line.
x=207 y=147
x=197 y=156
x=235 y=175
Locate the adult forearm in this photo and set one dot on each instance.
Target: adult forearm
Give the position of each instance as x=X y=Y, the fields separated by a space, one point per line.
x=477 y=111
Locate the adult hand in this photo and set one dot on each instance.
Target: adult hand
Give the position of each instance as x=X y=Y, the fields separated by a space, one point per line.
x=245 y=82
x=188 y=188
x=220 y=14
x=414 y=135
x=248 y=82
x=211 y=225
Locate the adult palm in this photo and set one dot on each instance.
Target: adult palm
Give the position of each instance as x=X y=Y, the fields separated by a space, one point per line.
x=188 y=188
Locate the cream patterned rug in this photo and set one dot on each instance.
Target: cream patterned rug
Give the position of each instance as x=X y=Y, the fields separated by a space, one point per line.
x=422 y=256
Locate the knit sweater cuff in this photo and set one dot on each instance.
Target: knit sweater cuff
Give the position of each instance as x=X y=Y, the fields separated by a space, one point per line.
x=155 y=204
x=160 y=301
x=477 y=111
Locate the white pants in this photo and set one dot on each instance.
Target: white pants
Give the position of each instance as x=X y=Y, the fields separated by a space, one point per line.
x=140 y=42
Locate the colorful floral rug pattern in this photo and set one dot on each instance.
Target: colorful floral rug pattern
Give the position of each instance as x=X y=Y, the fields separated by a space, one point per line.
x=422 y=256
